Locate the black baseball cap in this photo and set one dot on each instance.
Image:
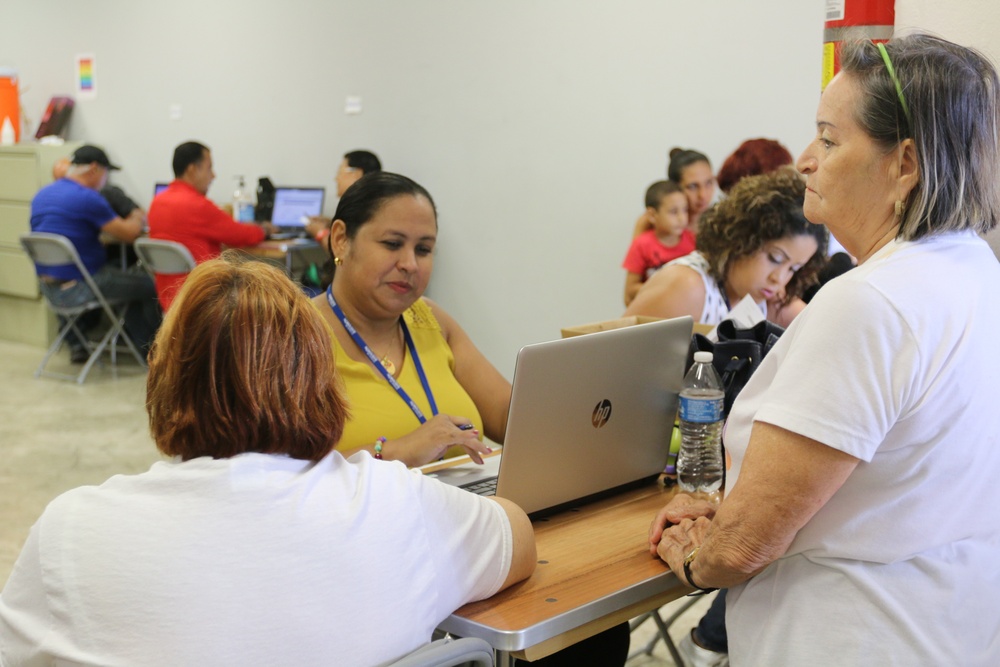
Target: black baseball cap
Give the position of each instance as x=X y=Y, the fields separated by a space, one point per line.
x=89 y=154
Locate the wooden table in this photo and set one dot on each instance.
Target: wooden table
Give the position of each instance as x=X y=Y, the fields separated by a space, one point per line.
x=594 y=572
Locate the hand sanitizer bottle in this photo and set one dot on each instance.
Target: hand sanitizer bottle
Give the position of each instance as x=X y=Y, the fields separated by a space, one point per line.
x=242 y=204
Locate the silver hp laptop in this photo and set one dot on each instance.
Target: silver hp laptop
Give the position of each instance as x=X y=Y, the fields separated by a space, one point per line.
x=588 y=415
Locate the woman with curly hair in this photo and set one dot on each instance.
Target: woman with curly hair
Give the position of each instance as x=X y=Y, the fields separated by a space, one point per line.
x=756 y=242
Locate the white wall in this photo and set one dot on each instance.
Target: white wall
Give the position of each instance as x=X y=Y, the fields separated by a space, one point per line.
x=536 y=124
x=974 y=23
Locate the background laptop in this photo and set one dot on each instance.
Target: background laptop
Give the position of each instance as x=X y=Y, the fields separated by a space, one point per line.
x=292 y=208
x=159 y=187
x=588 y=415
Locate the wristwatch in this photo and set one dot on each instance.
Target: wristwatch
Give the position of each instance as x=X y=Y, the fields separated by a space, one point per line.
x=687 y=572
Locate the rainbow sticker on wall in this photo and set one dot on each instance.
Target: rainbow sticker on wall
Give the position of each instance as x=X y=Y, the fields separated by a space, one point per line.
x=86 y=78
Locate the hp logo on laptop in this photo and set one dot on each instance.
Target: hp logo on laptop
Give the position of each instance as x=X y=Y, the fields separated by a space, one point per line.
x=602 y=413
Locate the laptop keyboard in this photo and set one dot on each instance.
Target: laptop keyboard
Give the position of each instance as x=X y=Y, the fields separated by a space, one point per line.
x=285 y=235
x=484 y=487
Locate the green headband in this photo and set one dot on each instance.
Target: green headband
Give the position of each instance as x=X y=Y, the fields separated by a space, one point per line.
x=895 y=80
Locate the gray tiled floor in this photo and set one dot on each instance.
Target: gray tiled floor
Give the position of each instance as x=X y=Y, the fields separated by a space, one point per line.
x=55 y=435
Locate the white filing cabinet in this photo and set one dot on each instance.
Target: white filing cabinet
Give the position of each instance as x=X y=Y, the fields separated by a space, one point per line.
x=24 y=168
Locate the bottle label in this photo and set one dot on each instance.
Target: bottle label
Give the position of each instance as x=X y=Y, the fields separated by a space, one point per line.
x=701 y=410
x=244 y=212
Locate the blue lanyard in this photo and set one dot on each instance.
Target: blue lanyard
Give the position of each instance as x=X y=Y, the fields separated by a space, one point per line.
x=378 y=364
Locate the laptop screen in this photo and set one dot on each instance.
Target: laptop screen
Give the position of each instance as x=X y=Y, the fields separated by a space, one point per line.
x=159 y=187
x=293 y=205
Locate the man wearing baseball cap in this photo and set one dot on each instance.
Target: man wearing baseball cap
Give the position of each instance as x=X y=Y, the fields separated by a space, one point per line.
x=72 y=206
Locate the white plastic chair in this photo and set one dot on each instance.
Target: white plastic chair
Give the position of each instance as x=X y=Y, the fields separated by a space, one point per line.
x=448 y=652
x=56 y=250
x=164 y=257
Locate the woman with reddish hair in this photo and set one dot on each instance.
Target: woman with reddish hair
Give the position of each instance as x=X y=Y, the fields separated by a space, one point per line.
x=257 y=543
x=754 y=156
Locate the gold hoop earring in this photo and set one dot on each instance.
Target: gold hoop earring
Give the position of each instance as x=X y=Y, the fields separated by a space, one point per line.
x=337 y=261
x=899 y=208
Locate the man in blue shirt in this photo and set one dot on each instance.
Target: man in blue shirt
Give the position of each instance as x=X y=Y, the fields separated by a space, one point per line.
x=72 y=206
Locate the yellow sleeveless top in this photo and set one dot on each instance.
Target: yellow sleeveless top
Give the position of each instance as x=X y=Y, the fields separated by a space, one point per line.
x=375 y=407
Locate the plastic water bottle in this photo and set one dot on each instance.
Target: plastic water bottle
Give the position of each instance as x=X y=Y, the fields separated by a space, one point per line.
x=699 y=464
x=242 y=204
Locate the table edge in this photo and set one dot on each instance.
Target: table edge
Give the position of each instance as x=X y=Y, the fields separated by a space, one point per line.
x=516 y=640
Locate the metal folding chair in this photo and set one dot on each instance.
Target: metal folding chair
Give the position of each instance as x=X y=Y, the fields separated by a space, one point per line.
x=164 y=257
x=449 y=652
x=55 y=250
x=663 y=628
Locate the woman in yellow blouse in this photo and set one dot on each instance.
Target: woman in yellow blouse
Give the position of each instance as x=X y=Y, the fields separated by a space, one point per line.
x=418 y=388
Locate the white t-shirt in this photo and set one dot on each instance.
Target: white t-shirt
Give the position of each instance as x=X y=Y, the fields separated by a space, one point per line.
x=897 y=363
x=253 y=560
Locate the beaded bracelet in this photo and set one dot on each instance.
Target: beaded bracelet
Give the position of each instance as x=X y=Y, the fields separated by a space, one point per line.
x=378 y=446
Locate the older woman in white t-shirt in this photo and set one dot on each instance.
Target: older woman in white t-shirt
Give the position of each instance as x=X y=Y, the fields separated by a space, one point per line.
x=858 y=523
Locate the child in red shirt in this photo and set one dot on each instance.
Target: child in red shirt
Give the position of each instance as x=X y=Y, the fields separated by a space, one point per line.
x=669 y=238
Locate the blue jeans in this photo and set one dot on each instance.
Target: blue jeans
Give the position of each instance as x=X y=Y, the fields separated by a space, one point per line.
x=134 y=285
x=711 y=629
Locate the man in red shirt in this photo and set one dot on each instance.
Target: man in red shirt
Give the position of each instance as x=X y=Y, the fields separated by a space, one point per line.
x=183 y=213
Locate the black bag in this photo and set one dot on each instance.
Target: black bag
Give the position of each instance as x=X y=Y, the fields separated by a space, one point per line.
x=737 y=354
x=265 y=200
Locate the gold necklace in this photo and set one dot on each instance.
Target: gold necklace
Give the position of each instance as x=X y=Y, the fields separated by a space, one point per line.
x=387 y=362
x=390 y=367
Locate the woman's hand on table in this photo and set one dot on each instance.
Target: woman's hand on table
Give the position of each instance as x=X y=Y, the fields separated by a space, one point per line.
x=680 y=539
x=436 y=436
x=680 y=508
